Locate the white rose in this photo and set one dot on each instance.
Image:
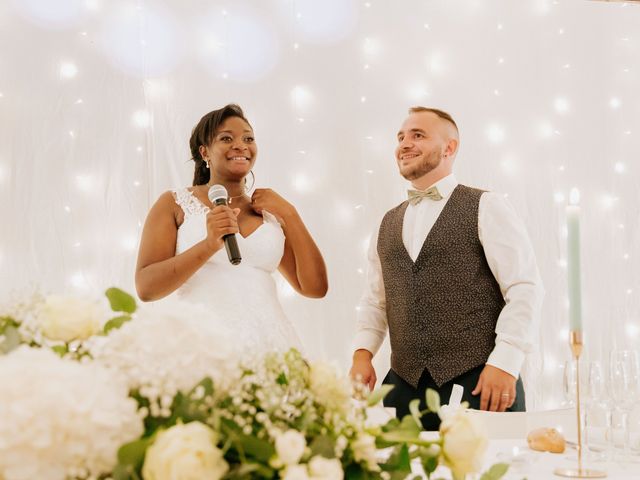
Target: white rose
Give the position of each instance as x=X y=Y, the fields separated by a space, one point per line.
x=295 y=472
x=464 y=444
x=185 y=452
x=290 y=446
x=325 y=468
x=364 y=450
x=68 y=318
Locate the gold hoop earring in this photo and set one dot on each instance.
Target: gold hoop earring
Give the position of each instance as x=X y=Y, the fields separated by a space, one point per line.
x=253 y=181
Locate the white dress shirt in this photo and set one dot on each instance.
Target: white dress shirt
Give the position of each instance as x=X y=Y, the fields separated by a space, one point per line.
x=510 y=257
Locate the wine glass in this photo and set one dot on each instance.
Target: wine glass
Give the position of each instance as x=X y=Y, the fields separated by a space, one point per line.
x=597 y=430
x=595 y=383
x=633 y=432
x=624 y=375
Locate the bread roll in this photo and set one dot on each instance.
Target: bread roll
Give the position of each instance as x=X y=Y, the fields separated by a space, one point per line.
x=546 y=440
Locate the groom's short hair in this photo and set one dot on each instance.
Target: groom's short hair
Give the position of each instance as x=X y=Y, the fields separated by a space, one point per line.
x=440 y=113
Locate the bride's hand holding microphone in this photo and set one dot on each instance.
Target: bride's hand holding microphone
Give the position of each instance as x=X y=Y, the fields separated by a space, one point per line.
x=221 y=220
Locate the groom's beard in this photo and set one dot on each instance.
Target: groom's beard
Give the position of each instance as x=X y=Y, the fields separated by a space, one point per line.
x=429 y=163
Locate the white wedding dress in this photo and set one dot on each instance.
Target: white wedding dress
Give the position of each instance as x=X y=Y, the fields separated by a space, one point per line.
x=242 y=298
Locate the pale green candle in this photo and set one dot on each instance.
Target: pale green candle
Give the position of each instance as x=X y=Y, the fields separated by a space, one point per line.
x=573 y=262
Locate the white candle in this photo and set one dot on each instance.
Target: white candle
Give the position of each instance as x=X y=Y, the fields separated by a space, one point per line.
x=573 y=262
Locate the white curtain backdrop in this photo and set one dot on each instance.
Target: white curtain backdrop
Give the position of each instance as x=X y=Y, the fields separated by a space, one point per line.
x=98 y=98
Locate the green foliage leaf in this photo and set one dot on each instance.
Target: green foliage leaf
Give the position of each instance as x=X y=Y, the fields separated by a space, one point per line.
x=246 y=445
x=132 y=454
x=322 y=445
x=124 y=472
x=259 y=449
x=207 y=384
x=414 y=409
x=116 y=322
x=249 y=470
x=378 y=394
x=429 y=463
x=399 y=461
x=61 y=350
x=7 y=321
x=11 y=338
x=496 y=471
x=433 y=400
x=354 y=471
x=406 y=431
x=120 y=300
x=282 y=379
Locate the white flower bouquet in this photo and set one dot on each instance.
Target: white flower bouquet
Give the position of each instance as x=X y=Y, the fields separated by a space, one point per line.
x=174 y=401
x=61 y=418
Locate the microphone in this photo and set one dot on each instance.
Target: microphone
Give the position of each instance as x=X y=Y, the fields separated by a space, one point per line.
x=218 y=196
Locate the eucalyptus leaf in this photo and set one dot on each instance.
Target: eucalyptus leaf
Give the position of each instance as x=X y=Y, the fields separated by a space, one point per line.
x=433 y=400
x=496 y=471
x=378 y=395
x=120 y=300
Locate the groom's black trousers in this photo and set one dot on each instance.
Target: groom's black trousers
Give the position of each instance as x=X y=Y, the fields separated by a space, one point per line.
x=403 y=393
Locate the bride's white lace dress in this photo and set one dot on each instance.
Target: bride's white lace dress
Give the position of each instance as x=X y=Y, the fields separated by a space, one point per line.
x=242 y=298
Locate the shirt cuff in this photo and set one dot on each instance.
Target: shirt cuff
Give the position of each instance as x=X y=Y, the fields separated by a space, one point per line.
x=507 y=357
x=368 y=340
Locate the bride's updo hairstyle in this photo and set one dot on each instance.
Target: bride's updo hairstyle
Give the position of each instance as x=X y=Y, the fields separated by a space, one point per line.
x=203 y=134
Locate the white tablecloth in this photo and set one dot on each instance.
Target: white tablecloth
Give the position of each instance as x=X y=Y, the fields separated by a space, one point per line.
x=507 y=444
x=532 y=465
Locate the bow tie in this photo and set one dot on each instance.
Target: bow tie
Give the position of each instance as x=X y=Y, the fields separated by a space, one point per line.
x=416 y=196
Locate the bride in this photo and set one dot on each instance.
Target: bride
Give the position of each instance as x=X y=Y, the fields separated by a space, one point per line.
x=182 y=248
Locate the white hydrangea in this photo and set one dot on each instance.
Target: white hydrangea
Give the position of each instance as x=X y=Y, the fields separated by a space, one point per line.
x=330 y=388
x=60 y=418
x=167 y=348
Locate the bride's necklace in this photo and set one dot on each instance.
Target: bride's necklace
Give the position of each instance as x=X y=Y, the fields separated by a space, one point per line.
x=237 y=196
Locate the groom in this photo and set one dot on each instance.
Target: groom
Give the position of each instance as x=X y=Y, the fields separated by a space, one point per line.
x=453 y=277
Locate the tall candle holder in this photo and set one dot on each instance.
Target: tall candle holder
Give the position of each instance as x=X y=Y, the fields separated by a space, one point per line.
x=575 y=342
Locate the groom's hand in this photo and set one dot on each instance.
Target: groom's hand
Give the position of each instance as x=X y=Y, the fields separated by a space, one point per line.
x=497 y=389
x=362 y=369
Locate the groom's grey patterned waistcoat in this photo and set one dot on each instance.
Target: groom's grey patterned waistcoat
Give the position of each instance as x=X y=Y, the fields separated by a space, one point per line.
x=442 y=309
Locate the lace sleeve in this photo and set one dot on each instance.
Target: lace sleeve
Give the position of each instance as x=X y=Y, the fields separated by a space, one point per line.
x=189 y=204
